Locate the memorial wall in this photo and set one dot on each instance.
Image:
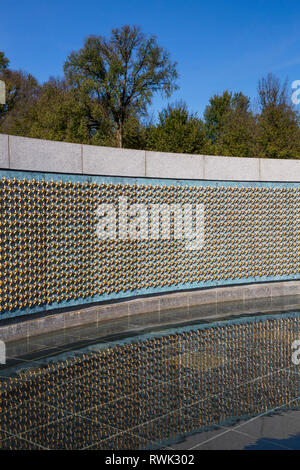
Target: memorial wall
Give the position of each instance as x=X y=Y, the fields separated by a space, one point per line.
x=74 y=239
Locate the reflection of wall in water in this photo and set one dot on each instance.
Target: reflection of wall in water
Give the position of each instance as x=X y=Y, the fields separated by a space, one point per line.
x=212 y=374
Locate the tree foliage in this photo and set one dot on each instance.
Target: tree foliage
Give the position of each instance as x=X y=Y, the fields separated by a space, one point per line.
x=120 y=75
x=21 y=94
x=215 y=115
x=278 y=133
x=177 y=131
x=230 y=125
x=57 y=115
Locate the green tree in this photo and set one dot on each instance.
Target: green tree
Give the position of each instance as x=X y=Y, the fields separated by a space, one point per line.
x=278 y=134
x=238 y=136
x=56 y=114
x=59 y=114
x=230 y=125
x=121 y=74
x=177 y=131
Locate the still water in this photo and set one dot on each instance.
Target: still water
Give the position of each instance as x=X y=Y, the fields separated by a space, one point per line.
x=225 y=384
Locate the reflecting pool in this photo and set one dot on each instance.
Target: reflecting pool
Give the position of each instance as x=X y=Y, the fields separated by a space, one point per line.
x=226 y=384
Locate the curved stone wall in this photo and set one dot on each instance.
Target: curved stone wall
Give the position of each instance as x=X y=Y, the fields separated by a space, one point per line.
x=52 y=255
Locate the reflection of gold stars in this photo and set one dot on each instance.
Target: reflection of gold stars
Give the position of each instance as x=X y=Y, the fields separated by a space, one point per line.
x=210 y=374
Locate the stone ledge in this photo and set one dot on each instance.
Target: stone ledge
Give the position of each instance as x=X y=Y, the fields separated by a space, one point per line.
x=112 y=161
x=44 y=155
x=219 y=301
x=4 y=159
x=24 y=153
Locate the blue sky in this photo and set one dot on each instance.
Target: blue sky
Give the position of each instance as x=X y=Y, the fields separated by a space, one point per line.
x=218 y=44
